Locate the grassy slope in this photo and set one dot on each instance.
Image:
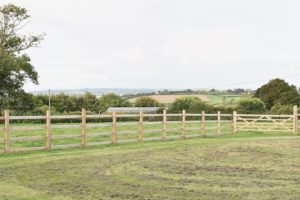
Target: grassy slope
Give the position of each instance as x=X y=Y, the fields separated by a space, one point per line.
x=210 y=98
x=170 y=98
x=250 y=166
x=219 y=99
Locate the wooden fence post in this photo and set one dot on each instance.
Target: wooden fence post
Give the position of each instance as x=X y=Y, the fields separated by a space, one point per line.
x=48 y=130
x=6 y=132
x=234 y=121
x=183 y=124
x=295 y=117
x=141 y=127
x=114 y=128
x=219 y=123
x=203 y=131
x=83 y=127
x=164 y=124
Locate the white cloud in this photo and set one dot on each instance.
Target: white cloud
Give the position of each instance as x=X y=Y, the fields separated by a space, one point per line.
x=178 y=44
x=206 y=47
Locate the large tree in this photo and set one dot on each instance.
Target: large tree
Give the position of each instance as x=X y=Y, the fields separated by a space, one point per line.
x=277 y=91
x=15 y=66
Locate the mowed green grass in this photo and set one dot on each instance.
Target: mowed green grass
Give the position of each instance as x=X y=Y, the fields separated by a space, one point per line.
x=221 y=99
x=246 y=166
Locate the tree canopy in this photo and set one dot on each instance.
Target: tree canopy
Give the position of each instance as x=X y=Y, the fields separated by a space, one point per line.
x=277 y=91
x=15 y=66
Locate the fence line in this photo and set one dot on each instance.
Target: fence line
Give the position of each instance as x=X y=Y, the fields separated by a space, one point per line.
x=238 y=123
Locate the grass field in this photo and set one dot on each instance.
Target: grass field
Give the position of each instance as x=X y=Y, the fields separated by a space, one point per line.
x=221 y=99
x=247 y=166
x=170 y=98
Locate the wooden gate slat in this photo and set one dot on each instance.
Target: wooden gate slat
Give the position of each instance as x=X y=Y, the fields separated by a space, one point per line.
x=255 y=124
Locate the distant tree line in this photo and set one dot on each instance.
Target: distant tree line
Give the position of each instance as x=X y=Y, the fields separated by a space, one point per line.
x=276 y=97
x=29 y=104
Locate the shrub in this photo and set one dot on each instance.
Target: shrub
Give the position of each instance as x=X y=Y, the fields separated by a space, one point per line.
x=251 y=105
x=190 y=104
x=281 y=109
x=224 y=109
x=146 y=102
x=111 y=100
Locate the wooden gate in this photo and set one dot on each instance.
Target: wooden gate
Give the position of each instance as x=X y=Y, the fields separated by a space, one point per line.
x=265 y=122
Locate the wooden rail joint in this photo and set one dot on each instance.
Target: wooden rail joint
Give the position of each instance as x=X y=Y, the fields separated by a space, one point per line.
x=48 y=129
x=203 y=129
x=6 y=132
x=295 y=121
x=114 y=128
x=164 y=137
x=183 y=126
x=83 y=127
x=141 y=126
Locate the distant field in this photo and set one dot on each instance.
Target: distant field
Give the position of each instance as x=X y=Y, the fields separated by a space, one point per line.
x=213 y=99
x=219 y=99
x=166 y=99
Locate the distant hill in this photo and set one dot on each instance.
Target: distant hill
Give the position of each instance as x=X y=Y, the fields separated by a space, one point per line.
x=97 y=91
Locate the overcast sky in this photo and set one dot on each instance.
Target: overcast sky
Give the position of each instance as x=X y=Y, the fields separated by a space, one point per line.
x=164 y=43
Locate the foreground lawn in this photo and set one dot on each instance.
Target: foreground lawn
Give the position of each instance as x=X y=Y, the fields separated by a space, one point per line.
x=249 y=166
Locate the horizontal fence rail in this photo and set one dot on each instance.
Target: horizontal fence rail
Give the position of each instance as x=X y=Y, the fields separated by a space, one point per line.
x=122 y=128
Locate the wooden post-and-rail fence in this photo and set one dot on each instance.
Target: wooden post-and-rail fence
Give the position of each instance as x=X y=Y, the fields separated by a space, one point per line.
x=239 y=123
